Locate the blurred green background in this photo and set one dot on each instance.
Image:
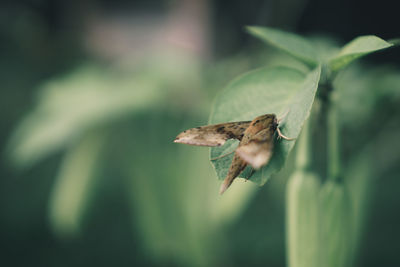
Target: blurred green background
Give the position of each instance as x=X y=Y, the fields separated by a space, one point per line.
x=94 y=92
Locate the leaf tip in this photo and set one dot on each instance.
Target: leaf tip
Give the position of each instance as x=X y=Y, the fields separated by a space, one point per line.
x=394 y=41
x=251 y=29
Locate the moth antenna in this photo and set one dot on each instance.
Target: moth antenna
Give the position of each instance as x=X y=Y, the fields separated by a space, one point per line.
x=220 y=157
x=283 y=116
x=280 y=135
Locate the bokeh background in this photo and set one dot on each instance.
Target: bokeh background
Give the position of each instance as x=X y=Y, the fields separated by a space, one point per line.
x=93 y=93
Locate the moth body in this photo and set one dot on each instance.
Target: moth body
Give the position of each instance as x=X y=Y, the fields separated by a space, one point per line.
x=255 y=147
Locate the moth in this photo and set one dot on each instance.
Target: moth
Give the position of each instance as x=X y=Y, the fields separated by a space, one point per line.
x=255 y=147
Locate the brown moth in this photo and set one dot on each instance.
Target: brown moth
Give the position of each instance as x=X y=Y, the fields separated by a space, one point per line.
x=255 y=147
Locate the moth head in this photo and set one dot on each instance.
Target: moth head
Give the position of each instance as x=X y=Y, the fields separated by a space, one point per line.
x=265 y=121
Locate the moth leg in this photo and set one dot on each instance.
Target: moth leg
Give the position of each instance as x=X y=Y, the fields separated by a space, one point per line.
x=219 y=157
x=251 y=174
x=280 y=135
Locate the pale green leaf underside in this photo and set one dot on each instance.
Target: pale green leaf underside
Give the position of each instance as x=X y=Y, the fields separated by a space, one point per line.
x=359 y=47
x=290 y=43
x=268 y=90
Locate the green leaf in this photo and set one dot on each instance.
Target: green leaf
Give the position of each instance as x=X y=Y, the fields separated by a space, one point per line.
x=268 y=90
x=366 y=85
x=290 y=43
x=359 y=47
x=73 y=186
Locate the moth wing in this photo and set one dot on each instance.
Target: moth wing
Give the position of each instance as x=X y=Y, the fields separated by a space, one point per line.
x=213 y=135
x=258 y=150
x=237 y=166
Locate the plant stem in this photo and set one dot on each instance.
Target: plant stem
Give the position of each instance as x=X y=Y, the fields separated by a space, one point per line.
x=302 y=206
x=334 y=167
x=304 y=147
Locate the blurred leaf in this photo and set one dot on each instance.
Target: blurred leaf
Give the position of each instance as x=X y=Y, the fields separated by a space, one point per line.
x=73 y=184
x=263 y=91
x=369 y=86
x=70 y=106
x=290 y=43
x=359 y=47
x=325 y=45
x=302 y=219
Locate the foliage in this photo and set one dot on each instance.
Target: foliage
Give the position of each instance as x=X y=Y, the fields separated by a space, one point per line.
x=319 y=220
x=277 y=90
x=115 y=126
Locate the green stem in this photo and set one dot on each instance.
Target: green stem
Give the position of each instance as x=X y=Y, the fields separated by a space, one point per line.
x=303 y=156
x=334 y=167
